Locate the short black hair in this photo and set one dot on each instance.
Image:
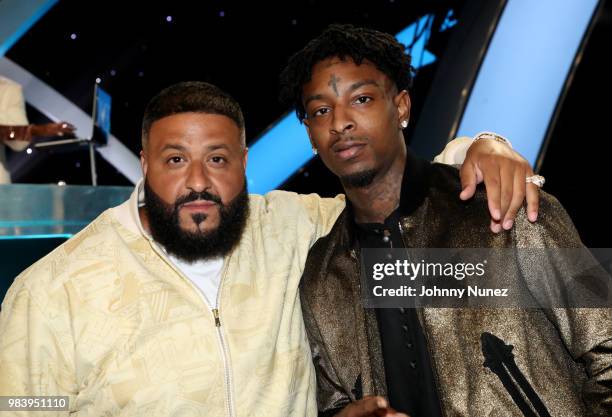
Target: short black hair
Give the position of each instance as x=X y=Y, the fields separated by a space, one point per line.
x=345 y=41
x=187 y=97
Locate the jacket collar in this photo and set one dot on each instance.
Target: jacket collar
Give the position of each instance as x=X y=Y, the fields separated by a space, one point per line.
x=127 y=213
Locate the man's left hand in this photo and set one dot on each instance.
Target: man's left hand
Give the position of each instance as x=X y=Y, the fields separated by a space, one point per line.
x=504 y=172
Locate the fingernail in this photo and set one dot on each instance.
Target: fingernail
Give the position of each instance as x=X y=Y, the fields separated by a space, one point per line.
x=381 y=403
x=533 y=216
x=508 y=224
x=496 y=228
x=496 y=214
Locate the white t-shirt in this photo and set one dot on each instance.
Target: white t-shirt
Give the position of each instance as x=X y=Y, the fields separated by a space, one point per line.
x=205 y=274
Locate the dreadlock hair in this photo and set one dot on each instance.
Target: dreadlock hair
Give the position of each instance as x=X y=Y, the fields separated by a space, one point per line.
x=344 y=41
x=188 y=97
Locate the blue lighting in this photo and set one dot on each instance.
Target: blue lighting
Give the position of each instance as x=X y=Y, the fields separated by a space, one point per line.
x=449 y=21
x=49 y=236
x=42 y=223
x=277 y=154
x=525 y=69
x=17 y=17
x=415 y=37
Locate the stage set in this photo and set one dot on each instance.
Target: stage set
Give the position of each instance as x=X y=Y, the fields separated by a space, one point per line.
x=75 y=80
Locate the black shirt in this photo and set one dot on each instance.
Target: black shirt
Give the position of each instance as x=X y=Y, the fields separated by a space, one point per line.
x=410 y=383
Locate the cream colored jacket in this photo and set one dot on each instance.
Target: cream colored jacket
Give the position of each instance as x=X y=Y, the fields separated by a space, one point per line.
x=107 y=320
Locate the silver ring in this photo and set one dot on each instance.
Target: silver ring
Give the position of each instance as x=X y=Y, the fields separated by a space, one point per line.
x=536 y=179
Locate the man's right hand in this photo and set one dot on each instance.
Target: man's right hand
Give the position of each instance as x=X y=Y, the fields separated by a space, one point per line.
x=369 y=407
x=53 y=129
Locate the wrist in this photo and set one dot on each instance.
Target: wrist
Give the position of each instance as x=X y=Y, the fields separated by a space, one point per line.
x=35 y=130
x=492 y=136
x=15 y=133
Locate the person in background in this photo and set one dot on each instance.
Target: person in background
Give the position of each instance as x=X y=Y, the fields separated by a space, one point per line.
x=15 y=130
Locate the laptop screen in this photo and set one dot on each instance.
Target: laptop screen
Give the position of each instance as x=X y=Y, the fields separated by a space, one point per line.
x=101 y=116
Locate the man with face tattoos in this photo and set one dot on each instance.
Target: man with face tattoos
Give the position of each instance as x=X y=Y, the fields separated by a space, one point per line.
x=350 y=88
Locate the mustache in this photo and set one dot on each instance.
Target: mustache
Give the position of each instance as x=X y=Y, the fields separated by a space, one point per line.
x=344 y=141
x=351 y=138
x=341 y=139
x=195 y=195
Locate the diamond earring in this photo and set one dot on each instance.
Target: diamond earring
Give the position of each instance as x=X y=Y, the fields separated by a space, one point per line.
x=315 y=151
x=404 y=124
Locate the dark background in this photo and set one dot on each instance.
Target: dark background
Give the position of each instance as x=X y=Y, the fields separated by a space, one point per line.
x=242 y=47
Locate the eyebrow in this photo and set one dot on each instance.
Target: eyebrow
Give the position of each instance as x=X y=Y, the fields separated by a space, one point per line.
x=175 y=147
x=218 y=146
x=358 y=84
x=353 y=87
x=181 y=148
x=311 y=98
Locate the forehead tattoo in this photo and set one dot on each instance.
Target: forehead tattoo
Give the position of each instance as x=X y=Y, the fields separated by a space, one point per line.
x=333 y=80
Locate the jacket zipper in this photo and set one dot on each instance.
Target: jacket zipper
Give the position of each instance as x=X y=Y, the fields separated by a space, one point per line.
x=419 y=312
x=224 y=350
x=217 y=318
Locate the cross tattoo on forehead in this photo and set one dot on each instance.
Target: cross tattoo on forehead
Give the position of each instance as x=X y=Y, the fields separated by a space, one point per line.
x=333 y=83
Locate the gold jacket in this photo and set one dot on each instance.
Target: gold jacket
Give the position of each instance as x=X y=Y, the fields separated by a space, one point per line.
x=565 y=354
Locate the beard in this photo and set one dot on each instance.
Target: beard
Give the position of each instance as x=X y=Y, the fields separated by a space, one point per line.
x=190 y=246
x=359 y=179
